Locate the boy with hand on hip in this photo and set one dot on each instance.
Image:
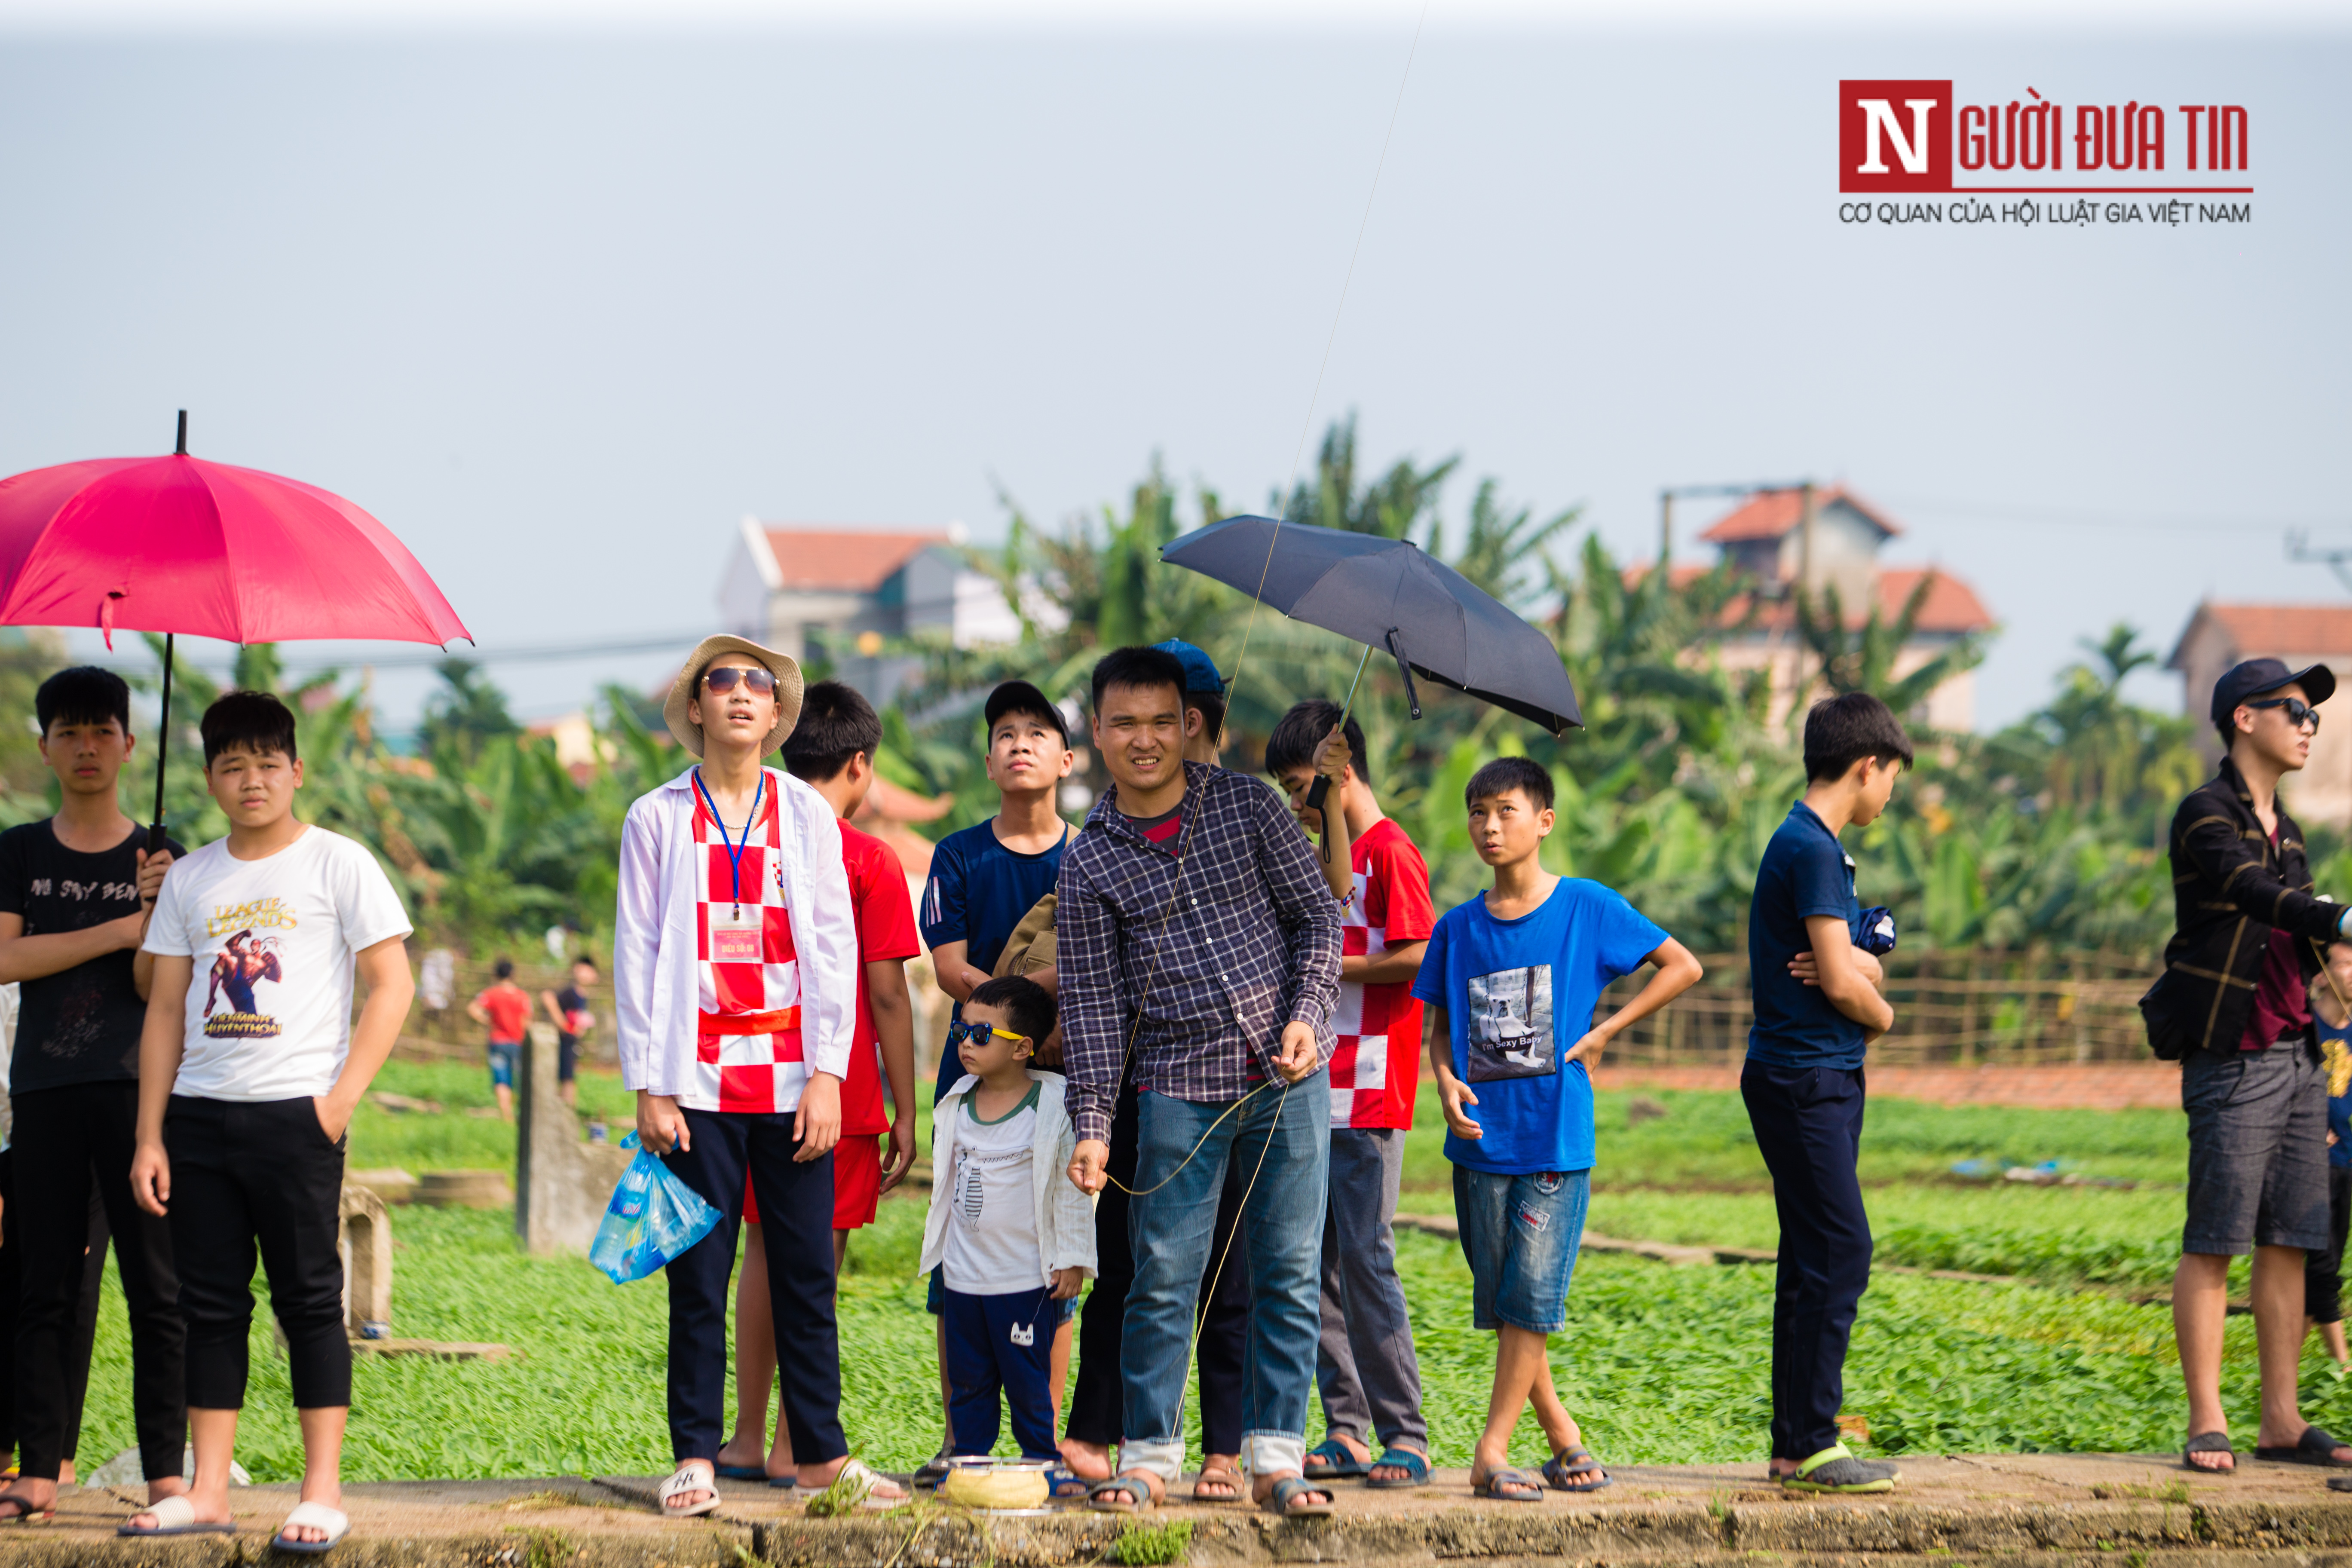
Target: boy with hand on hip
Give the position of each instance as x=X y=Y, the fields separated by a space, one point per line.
x=735 y=983
x=246 y=1088
x=568 y=1010
x=1513 y=977
x=1818 y=1007
x=1011 y=1239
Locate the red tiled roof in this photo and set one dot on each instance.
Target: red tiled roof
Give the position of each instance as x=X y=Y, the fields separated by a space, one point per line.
x=1950 y=608
x=853 y=561
x=2265 y=630
x=1770 y=514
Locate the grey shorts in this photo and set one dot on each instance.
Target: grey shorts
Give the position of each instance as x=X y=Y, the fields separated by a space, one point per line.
x=2257 y=1150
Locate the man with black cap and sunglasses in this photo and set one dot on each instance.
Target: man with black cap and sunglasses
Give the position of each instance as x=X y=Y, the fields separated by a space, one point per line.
x=2233 y=1008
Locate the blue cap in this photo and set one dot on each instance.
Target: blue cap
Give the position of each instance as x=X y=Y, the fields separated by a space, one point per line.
x=1200 y=671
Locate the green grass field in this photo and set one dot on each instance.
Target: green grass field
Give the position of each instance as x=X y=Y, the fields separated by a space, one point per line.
x=1661 y=1363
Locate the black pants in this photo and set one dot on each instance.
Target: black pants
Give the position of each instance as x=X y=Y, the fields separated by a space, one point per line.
x=796 y=1226
x=2323 y=1272
x=1222 y=1356
x=73 y=1143
x=1808 y=1124
x=257 y=1172
x=85 y=1313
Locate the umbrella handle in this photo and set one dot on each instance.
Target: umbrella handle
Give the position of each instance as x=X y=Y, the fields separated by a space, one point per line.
x=163 y=740
x=1320 y=790
x=1405 y=668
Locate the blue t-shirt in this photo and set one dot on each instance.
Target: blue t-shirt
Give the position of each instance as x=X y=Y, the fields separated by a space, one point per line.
x=2336 y=1054
x=977 y=893
x=1805 y=872
x=1517 y=994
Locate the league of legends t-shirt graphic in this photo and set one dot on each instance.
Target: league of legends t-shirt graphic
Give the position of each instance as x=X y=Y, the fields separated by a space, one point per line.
x=247 y=959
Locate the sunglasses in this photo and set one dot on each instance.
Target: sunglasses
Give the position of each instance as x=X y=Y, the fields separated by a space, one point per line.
x=2298 y=711
x=977 y=1032
x=722 y=679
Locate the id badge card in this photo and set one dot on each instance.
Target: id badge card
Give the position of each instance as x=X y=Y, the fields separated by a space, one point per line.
x=736 y=932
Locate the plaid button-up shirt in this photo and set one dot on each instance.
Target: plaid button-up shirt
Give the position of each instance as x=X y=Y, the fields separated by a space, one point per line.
x=1204 y=948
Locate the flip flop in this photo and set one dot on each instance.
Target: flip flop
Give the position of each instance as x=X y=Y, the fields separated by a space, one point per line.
x=1284 y=1500
x=1416 y=1467
x=1525 y=1487
x=26 y=1513
x=935 y=1468
x=744 y=1473
x=1131 y=1485
x=316 y=1515
x=2314 y=1447
x=176 y=1515
x=1337 y=1464
x=2209 y=1443
x=1222 y=1476
x=1064 y=1484
x=1835 y=1469
x=1564 y=1468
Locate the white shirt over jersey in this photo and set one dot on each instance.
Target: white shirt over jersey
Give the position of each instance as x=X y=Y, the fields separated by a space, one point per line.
x=992 y=1204
x=274 y=942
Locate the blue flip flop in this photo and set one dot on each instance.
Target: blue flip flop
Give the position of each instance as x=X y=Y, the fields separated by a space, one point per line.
x=1416 y=1467
x=742 y=1473
x=1337 y=1464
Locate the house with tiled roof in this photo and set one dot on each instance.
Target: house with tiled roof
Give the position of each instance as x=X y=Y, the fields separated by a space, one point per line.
x=842 y=596
x=1829 y=540
x=2222 y=635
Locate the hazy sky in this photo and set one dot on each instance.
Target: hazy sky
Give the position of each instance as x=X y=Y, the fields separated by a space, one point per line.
x=561 y=307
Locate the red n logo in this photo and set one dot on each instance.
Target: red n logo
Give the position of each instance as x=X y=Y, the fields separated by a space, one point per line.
x=1894 y=136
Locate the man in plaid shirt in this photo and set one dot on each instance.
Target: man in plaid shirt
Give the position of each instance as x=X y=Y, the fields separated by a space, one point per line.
x=1195 y=931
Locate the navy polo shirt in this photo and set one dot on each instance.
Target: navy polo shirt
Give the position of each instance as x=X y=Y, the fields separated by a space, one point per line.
x=1805 y=872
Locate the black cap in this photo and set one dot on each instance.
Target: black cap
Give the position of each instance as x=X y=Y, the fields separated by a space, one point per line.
x=1020 y=697
x=2257 y=676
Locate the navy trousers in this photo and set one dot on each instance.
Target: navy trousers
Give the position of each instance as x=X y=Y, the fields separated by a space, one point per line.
x=1808 y=1124
x=1002 y=1342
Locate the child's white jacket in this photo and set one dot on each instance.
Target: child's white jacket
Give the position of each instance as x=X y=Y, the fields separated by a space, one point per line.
x=1066 y=1216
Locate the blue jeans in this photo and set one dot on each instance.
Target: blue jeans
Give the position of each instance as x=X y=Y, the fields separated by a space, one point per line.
x=1520 y=1235
x=1169 y=1227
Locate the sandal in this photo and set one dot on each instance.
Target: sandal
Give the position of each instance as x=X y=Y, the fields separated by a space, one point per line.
x=694 y=1475
x=1414 y=1465
x=1572 y=1470
x=935 y=1468
x=2314 y=1447
x=26 y=1513
x=2209 y=1443
x=1064 y=1484
x=1134 y=1486
x=746 y=1473
x=1523 y=1487
x=1835 y=1469
x=1284 y=1500
x=1224 y=1476
x=174 y=1515
x=315 y=1516
x=1337 y=1464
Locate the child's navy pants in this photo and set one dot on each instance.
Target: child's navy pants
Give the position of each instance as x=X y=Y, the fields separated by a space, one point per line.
x=1002 y=1342
x=1808 y=1124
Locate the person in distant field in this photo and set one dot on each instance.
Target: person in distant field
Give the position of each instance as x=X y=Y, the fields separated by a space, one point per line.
x=984 y=880
x=568 y=1010
x=2323 y=1275
x=1818 y=1007
x=735 y=968
x=505 y=1009
x=243 y=1115
x=832 y=750
x=1365 y=1364
x=2233 y=1006
x=76 y=892
x=1518 y=1112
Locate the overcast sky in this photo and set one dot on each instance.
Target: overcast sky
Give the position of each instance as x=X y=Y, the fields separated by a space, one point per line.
x=561 y=305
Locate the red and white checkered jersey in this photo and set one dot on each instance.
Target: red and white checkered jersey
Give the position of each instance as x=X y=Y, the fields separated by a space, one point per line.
x=748 y=1050
x=1376 y=1062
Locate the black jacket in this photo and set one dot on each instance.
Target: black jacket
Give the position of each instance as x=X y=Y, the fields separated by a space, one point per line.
x=2230 y=890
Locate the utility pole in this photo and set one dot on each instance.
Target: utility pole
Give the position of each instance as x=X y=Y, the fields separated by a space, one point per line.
x=1666 y=532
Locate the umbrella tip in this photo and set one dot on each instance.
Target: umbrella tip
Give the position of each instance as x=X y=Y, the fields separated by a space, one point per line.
x=182 y=449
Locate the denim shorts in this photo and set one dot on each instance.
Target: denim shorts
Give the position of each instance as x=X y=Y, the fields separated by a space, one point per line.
x=504 y=1055
x=2257 y=1150
x=1520 y=1235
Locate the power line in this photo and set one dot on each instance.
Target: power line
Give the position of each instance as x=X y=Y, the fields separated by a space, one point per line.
x=422 y=658
x=2043 y=517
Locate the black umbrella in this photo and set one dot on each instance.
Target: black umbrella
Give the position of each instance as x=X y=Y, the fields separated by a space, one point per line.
x=1389 y=593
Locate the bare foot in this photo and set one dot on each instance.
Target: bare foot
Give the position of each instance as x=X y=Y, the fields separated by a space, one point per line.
x=1087 y=1461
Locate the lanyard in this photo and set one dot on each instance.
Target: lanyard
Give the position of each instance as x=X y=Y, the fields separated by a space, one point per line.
x=734 y=850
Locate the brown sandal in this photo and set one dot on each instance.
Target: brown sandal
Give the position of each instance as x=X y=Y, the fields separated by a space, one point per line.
x=1222 y=1476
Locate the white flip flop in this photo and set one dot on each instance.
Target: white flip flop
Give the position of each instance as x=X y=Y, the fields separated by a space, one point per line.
x=176 y=1515
x=315 y=1516
x=694 y=1475
x=865 y=1478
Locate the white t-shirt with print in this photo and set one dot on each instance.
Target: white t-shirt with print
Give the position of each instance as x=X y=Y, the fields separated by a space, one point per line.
x=992 y=1204
x=274 y=940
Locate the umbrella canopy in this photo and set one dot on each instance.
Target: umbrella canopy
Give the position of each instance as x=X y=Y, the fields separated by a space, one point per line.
x=1389 y=593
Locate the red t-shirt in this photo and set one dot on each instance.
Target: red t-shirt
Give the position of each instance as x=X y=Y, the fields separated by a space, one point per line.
x=886 y=930
x=509 y=1006
x=1376 y=1062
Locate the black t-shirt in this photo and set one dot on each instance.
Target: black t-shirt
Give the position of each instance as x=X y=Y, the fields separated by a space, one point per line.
x=83 y=1024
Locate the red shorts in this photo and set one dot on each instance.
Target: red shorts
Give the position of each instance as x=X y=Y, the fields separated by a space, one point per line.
x=856 y=1183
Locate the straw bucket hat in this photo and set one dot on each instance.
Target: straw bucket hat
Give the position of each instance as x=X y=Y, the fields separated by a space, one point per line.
x=682 y=690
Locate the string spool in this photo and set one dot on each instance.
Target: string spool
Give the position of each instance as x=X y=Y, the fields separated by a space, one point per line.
x=986 y=1483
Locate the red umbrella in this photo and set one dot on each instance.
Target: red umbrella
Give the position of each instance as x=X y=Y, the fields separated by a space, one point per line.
x=178 y=544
